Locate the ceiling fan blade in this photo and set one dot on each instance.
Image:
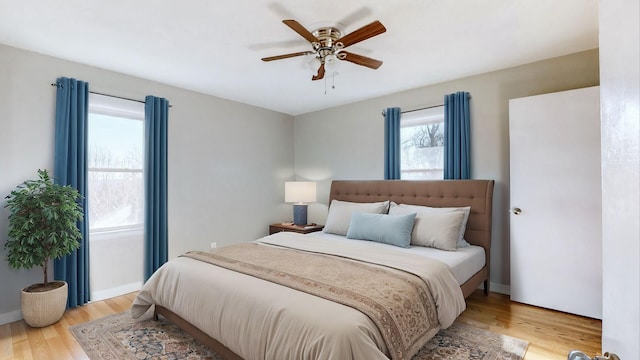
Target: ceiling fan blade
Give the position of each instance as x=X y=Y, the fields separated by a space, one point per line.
x=360 y=60
x=295 y=26
x=285 y=56
x=365 y=32
x=356 y=16
x=320 y=73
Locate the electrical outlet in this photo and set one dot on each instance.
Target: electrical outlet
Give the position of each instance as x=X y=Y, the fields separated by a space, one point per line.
x=214 y=245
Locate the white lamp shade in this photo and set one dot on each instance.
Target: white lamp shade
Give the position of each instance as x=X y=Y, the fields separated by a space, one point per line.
x=299 y=191
x=331 y=63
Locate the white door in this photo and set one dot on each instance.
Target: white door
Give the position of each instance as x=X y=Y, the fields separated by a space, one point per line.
x=556 y=256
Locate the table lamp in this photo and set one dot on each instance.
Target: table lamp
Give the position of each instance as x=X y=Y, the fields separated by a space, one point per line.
x=299 y=193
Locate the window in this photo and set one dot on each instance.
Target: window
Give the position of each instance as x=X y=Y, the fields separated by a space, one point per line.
x=422 y=144
x=115 y=164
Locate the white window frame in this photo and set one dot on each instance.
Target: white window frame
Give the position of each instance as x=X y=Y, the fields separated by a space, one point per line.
x=122 y=108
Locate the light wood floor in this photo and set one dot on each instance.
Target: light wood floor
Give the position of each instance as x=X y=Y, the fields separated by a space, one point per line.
x=551 y=334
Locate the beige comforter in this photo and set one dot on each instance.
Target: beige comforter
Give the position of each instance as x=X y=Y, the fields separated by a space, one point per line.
x=262 y=320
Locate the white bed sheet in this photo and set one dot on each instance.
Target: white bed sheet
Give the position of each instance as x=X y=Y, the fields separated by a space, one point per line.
x=464 y=262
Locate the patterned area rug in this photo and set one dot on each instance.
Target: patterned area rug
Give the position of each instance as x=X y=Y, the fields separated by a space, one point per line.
x=121 y=337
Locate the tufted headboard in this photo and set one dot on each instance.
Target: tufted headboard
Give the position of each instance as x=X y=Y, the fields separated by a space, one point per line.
x=435 y=193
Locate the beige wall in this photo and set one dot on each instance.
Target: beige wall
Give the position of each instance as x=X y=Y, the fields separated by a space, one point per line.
x=346 y=142
x=227 y=161
x=620 y=112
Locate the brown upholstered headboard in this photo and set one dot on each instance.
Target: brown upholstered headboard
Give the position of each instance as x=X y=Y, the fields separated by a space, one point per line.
x=435 y=193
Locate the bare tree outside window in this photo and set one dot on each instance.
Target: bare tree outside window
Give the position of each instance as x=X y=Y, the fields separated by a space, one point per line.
x=428 y=136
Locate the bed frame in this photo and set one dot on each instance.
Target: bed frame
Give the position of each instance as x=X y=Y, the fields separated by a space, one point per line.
x=435 y=193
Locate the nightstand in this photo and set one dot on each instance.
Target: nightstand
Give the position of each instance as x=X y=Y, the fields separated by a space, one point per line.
x=301 y=229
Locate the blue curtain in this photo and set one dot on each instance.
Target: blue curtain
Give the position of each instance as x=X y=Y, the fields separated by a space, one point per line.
x=70 y=168
x=156 y=114
x=457 y=149
x=392 y=143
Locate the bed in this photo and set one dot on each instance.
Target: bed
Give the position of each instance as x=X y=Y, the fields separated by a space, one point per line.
x=217 y=297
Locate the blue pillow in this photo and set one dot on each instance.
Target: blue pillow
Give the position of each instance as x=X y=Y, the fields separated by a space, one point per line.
x=382 y=228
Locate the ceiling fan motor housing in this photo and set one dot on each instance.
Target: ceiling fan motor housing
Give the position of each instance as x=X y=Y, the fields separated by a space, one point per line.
x=327 y=42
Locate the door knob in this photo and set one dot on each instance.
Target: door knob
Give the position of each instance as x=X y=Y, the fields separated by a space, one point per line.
x=517 y=211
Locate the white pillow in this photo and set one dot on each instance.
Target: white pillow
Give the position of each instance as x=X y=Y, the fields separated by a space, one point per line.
x=435 y=210
x=340 y=214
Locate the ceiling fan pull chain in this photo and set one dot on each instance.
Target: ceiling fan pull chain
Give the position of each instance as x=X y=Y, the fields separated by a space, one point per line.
x=325 y=86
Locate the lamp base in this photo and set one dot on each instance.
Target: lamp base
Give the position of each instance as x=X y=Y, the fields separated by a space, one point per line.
x=300 y=214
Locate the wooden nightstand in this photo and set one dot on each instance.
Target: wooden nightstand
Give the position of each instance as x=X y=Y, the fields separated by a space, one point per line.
x=301 y=229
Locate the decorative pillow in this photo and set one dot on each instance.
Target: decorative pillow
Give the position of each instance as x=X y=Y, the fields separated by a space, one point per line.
x=340 y=214
x=420 y=210
x=382 y=228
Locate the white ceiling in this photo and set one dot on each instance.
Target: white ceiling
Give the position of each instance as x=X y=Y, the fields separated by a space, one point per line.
x=215 y=47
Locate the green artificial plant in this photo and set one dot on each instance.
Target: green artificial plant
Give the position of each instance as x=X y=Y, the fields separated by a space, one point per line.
x=42 y=223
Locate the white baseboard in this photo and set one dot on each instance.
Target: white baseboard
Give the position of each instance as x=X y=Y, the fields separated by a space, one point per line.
x=16 y=315
x=116 y=291
x=10 y=317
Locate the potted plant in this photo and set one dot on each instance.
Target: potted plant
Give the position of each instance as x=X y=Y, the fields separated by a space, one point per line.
x=42 y=226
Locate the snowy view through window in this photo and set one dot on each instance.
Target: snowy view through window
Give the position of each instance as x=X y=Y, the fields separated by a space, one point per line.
x=115 y=183
x=422 y=144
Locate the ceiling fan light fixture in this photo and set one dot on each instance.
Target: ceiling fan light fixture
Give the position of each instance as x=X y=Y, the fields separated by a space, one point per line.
x=331 y=63
x=310 y=64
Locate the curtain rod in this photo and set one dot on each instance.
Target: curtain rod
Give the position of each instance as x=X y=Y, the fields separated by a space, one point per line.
x=422 y=108
x=418 y=109
x=113 y=96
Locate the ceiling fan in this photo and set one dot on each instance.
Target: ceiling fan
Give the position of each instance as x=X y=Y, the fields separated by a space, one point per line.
x=328 y=44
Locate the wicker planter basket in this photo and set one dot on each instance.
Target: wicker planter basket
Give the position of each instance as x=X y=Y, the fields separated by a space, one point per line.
x=41 y=309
